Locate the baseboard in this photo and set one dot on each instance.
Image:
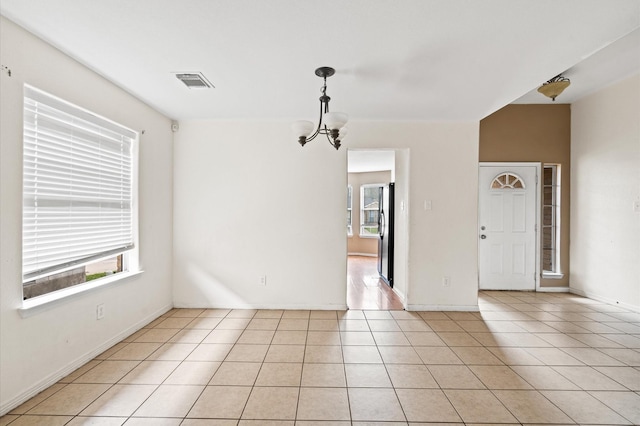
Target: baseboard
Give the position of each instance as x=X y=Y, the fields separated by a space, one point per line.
x=53 y=378
x=340 y=307
x=363 y=254
x=439 y=308
x=553 y=290
x=603 y=299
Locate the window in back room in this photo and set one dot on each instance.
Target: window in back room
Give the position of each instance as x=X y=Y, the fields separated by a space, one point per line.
x=369 y=208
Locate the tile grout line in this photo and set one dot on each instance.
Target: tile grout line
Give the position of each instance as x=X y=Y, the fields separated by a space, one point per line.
x=563 y=349
x=209 y=381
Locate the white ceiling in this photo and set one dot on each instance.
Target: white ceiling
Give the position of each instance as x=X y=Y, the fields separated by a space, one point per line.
x=434 y=60
x=615 y=62
x=359 y=161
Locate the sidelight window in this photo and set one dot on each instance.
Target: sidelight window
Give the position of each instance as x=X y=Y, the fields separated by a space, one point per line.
x=551 y=220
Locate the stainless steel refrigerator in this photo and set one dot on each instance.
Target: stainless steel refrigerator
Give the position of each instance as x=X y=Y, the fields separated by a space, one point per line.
x=385 y=233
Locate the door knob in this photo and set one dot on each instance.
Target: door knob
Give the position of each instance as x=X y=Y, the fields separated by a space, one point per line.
x=484 y=237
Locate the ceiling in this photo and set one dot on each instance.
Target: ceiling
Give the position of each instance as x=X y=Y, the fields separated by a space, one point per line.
x=619 y=60
x=360 y=161
x=432 y=60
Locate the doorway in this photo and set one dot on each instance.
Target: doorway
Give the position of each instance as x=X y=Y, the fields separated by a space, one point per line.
x=508 y=214
x=368 y=172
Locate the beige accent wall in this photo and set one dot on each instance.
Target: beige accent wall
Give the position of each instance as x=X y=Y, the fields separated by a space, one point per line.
x=355 y=244
x=539 y=133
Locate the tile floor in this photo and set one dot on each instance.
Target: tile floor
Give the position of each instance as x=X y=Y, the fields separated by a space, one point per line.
x=525 y=358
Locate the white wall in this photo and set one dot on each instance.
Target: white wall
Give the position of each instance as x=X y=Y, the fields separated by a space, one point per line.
x=401 y=233
x=605 y=176
x=38 y=350
x=249 y=201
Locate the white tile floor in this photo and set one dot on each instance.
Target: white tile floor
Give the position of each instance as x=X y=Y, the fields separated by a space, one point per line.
x=525 y=358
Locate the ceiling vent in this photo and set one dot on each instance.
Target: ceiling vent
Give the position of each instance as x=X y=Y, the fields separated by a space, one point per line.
x=194 y=80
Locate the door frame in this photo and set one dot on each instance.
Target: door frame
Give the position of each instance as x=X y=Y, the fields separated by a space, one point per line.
x=538 y=206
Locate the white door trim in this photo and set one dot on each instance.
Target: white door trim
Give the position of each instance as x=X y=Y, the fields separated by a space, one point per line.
x=538 y=167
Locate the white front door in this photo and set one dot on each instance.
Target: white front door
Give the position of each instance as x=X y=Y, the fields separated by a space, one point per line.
x=507 y=226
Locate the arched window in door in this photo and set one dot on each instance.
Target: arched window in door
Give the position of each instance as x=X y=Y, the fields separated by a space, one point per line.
x=507 y=181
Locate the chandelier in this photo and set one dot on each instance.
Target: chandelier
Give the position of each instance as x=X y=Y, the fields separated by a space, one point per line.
x=554 y=87
x=330 y=124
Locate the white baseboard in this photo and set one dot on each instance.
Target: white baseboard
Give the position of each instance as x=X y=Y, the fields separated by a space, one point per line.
x=340 y=307
x=603 y=299
x=553 y=290
x=54 y=377
x=363 y=254
x=448 y=308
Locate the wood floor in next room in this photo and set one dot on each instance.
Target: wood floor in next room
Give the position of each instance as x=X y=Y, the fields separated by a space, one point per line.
x=365 y=288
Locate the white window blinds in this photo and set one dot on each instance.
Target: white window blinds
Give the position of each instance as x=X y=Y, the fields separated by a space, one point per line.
x=77 y=186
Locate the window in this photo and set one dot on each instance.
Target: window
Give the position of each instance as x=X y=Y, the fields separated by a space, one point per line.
x=349 y=210
x=551 y=220
x=369 y=209
x=507 y=181
x=78 y=188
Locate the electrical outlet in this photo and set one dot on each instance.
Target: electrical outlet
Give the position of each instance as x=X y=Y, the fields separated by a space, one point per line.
x=263 y=280
x=446 y=282
x=100 y=311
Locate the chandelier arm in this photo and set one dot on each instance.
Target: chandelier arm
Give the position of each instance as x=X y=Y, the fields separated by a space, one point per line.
x=335 y=142
x=324 y=108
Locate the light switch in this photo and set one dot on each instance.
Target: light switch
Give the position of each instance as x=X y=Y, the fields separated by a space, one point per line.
x=427 y=204
x=636 y=206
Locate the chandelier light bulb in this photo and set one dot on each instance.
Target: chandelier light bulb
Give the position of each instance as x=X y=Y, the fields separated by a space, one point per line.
x=302 y=128
x=335 y=120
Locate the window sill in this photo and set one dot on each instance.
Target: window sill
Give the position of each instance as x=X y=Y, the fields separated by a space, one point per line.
x=40 y=303
x=552 y=275
x=369 y=236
